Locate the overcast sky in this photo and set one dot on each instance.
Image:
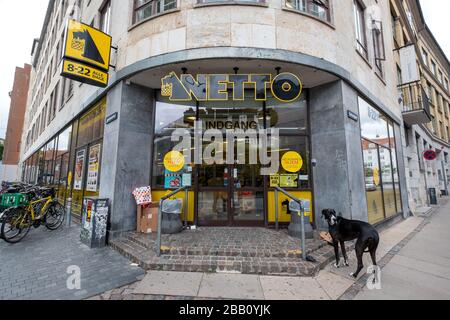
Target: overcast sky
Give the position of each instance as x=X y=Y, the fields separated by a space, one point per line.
x=21 y=22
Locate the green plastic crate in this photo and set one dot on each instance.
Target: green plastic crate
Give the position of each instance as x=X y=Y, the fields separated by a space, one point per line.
x=9 y=200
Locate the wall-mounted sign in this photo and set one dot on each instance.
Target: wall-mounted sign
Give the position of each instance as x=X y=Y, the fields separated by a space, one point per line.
x=353 y=116
x=174 y=161
x=408 y=61
x=285 y=87
x=112 y=118
x=86 y=44
x=430 y=155
x=292 y=162
x=86 y=55
x=83 y=73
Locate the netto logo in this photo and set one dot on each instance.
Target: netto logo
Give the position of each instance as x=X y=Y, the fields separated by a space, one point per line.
x=285 y=87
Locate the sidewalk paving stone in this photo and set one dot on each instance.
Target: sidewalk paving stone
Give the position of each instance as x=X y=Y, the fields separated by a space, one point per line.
x=169 y=283
x=36 y=268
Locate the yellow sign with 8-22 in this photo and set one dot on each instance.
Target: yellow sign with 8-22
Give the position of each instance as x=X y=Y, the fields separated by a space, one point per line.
x=87 y=45
x=84 y=73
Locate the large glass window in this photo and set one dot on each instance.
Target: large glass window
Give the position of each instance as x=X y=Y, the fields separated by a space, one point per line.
x=169 y=117
x=380 y=164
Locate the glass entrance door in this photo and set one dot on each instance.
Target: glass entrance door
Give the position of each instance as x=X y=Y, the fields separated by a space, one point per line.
x=230 y=194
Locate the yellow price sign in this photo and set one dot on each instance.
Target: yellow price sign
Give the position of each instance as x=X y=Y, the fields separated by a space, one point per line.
x=84 y=73
x=86 y=44
x=274 y=180
x=292 y=162
x=174 y=161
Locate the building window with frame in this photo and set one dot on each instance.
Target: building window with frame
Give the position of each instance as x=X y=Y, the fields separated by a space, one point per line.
x=105 y=17
x=317 y=8
x=425 y=57
x=378 y=46
x=433 y=67
x=144 y=9
x=361 y=39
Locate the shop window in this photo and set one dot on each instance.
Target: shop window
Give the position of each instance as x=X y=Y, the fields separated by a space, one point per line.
x=288 y=117
x=87 y=156
x=299 y=144
x=92 y=124
x=144 y=9
x=171 y=116
x=380 y=164
x=62 y=164
x=372 y=178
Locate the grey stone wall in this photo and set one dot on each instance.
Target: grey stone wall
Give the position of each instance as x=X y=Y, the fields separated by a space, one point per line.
x=336 y=145
x=127 y=152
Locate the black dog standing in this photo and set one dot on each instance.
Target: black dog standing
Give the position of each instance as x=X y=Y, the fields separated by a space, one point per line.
x=343 y=230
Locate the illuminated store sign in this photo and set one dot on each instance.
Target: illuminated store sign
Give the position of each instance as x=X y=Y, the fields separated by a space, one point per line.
x=285 y=87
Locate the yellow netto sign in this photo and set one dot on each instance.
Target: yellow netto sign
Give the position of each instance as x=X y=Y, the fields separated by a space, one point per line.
x=87 y=54
x=84 y=73
x=86 y=44
x=285 y=87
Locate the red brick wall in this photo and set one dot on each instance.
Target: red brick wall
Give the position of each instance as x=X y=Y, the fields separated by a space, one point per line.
x=19 y=96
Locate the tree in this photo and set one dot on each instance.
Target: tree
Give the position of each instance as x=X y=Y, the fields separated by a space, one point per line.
x=1 y=152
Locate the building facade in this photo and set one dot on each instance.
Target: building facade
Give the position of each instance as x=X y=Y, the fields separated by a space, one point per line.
x=347 y=125
x=425 y=101
x=9 y=170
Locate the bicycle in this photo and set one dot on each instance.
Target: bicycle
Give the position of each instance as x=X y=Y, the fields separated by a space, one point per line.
x=42 y=209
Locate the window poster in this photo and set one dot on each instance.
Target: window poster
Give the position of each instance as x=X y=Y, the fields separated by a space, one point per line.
x=289 y=181
x=172 y=180
x=79 y=168
x=93 y=169
x=274 y=180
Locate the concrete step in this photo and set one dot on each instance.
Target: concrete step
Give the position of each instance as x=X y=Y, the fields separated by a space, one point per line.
x=282 y=266
x=231 y=250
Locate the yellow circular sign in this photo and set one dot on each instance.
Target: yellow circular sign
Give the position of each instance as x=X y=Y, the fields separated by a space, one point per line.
x=292 y=162
x=174 y=161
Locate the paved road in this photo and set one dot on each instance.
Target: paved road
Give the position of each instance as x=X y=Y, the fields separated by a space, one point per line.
x=421 y=269
x=37 y=268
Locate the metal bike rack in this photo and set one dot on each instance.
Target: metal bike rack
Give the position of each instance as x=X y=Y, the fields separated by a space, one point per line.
x=160 y=214
x=302 y=212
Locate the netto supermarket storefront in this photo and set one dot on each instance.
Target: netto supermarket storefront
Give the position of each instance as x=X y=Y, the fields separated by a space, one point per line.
x=231 y=190
x=329 y=125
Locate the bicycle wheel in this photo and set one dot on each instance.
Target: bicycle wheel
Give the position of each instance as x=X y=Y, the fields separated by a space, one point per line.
x=54 y=216
x=15 y=225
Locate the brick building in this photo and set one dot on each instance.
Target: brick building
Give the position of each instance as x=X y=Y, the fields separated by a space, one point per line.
x=11 y=154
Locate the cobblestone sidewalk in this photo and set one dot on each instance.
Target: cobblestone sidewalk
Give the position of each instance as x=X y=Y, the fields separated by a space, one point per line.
x=36 y=268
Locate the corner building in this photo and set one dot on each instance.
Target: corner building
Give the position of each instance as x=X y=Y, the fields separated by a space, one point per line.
x=347 y=125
